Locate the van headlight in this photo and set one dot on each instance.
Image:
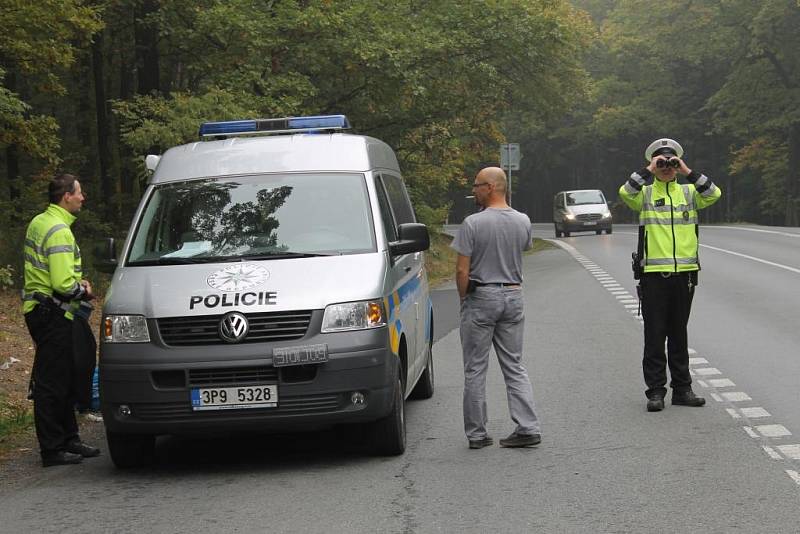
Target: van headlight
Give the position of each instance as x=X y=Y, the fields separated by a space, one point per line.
x=569 y=215
x=353 y=316
x=125 y=329
x=607 y=215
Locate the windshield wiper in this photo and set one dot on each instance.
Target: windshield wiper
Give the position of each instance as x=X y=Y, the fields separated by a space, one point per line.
x=281 y=255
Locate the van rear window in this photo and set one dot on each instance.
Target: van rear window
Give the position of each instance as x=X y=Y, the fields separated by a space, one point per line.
x=254 y=217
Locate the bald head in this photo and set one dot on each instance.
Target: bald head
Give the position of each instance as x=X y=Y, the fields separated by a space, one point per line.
x=496 y=176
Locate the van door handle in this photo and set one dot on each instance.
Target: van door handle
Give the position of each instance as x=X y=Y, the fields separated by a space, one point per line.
x=407 y=269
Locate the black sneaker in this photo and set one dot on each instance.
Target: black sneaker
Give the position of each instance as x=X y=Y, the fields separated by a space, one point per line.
x=79 y=447
x=521 y=440
x=687 y=398
x=61 y=458
x=656 y=403
x=481 y=443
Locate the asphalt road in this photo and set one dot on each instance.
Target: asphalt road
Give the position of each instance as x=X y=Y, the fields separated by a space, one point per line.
x=605 y=464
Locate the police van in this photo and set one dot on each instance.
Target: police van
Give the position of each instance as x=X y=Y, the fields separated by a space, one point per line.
x=272 y=280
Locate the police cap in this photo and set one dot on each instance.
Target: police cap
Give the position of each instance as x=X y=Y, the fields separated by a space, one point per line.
x=663 y=146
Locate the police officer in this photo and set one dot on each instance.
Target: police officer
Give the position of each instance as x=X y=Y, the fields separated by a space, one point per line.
x=669 y=245
x=52 y=295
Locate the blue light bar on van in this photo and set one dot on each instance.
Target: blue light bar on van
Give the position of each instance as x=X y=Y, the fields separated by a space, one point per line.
x=274 y=126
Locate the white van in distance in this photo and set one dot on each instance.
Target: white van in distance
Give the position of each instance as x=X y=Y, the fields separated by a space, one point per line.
x=272 y=279
x=583 y=210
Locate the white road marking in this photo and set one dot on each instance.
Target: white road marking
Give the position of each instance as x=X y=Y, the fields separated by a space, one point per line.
x=733 y=413
x=750 y=432
x=765 y=262
x=759 y=230
x=773 y=431
x=716 y=397
x=691 y=351
x=790 y=451
x=629 y=301
x=721 y=382
x=619 y=292
x=771 y=452
x=755 y=412
x=736 y=396
x=702 y=383
x=794 y=475
x=708 y=371
x=696 y=361
x=634 y=306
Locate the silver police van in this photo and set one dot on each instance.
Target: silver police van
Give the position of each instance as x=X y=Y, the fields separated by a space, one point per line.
x=272 y=280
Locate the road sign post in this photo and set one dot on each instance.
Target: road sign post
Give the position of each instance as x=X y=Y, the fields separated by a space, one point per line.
x=509 y=160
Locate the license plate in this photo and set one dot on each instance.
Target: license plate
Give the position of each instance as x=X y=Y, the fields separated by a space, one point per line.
x=589 y=223
x=235 y=398
x=305 y=354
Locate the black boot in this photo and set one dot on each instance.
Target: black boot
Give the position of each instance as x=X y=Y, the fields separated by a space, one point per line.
x=687 y=398
x=655 y=403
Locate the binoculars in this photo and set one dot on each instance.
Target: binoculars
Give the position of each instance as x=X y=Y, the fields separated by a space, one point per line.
x=672 y=162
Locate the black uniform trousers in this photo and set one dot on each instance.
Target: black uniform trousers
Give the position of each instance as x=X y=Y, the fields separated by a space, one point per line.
x=666 y=303
x=53 y=398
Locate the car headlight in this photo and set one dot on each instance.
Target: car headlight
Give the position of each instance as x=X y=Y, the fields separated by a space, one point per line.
x=353 y=316
x=569 y=215
x=607 y=215
x=125 y=329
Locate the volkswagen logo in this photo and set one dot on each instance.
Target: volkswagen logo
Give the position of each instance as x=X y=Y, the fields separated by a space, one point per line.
x=233 y=327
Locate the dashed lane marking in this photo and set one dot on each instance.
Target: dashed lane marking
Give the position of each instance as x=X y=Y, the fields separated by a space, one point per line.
x=773 y=431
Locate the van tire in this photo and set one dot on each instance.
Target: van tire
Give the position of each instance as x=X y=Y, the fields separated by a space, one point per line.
x=389 y=434
x=131 y=450
x=566 y=234
x=608 y=230
x=425 y=384
x=598 y=232
x=555 y=227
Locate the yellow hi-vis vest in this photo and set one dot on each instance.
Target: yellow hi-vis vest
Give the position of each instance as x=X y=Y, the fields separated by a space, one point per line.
x=52 y=261
x=668 y=212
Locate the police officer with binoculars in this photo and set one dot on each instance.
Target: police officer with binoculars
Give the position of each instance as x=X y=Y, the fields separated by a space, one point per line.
x=668 y=265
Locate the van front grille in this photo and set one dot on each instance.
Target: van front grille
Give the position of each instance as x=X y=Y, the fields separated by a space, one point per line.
x=204 y=330
x=232 y=376
x=589 y=217
x=308 y=404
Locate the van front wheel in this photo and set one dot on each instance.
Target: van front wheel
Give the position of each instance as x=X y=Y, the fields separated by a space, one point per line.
x=389 y=434
x=424 y=387
x=131 y=450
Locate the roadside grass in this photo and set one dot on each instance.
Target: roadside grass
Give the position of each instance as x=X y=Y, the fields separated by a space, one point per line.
x=16 y=423
x=440 y=259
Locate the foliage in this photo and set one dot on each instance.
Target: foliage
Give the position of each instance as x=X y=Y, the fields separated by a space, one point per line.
x=6 y=277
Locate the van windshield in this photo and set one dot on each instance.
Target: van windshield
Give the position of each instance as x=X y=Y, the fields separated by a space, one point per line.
x=576 y=198
x=263 y=217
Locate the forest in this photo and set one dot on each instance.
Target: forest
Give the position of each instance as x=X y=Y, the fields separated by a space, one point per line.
x=91 y=87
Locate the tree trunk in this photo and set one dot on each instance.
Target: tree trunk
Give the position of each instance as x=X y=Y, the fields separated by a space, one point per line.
x=12 y=151
x=101 y=116
x=793 y=182
x=146 y=36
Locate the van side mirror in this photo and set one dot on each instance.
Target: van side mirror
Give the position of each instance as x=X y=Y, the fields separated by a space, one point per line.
x=412 y=237
x=105 y=255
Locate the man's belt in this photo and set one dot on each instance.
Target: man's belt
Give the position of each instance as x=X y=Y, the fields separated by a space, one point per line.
x=497 y=284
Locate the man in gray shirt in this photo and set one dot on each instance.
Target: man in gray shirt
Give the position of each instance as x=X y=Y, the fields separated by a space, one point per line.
x=489 y=280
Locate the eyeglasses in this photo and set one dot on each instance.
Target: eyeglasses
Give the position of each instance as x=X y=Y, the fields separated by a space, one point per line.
x=478 y=184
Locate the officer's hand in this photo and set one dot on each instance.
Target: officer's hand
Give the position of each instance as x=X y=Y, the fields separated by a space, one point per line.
x=683 y=169
x=653 y=163
x=88 y=288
